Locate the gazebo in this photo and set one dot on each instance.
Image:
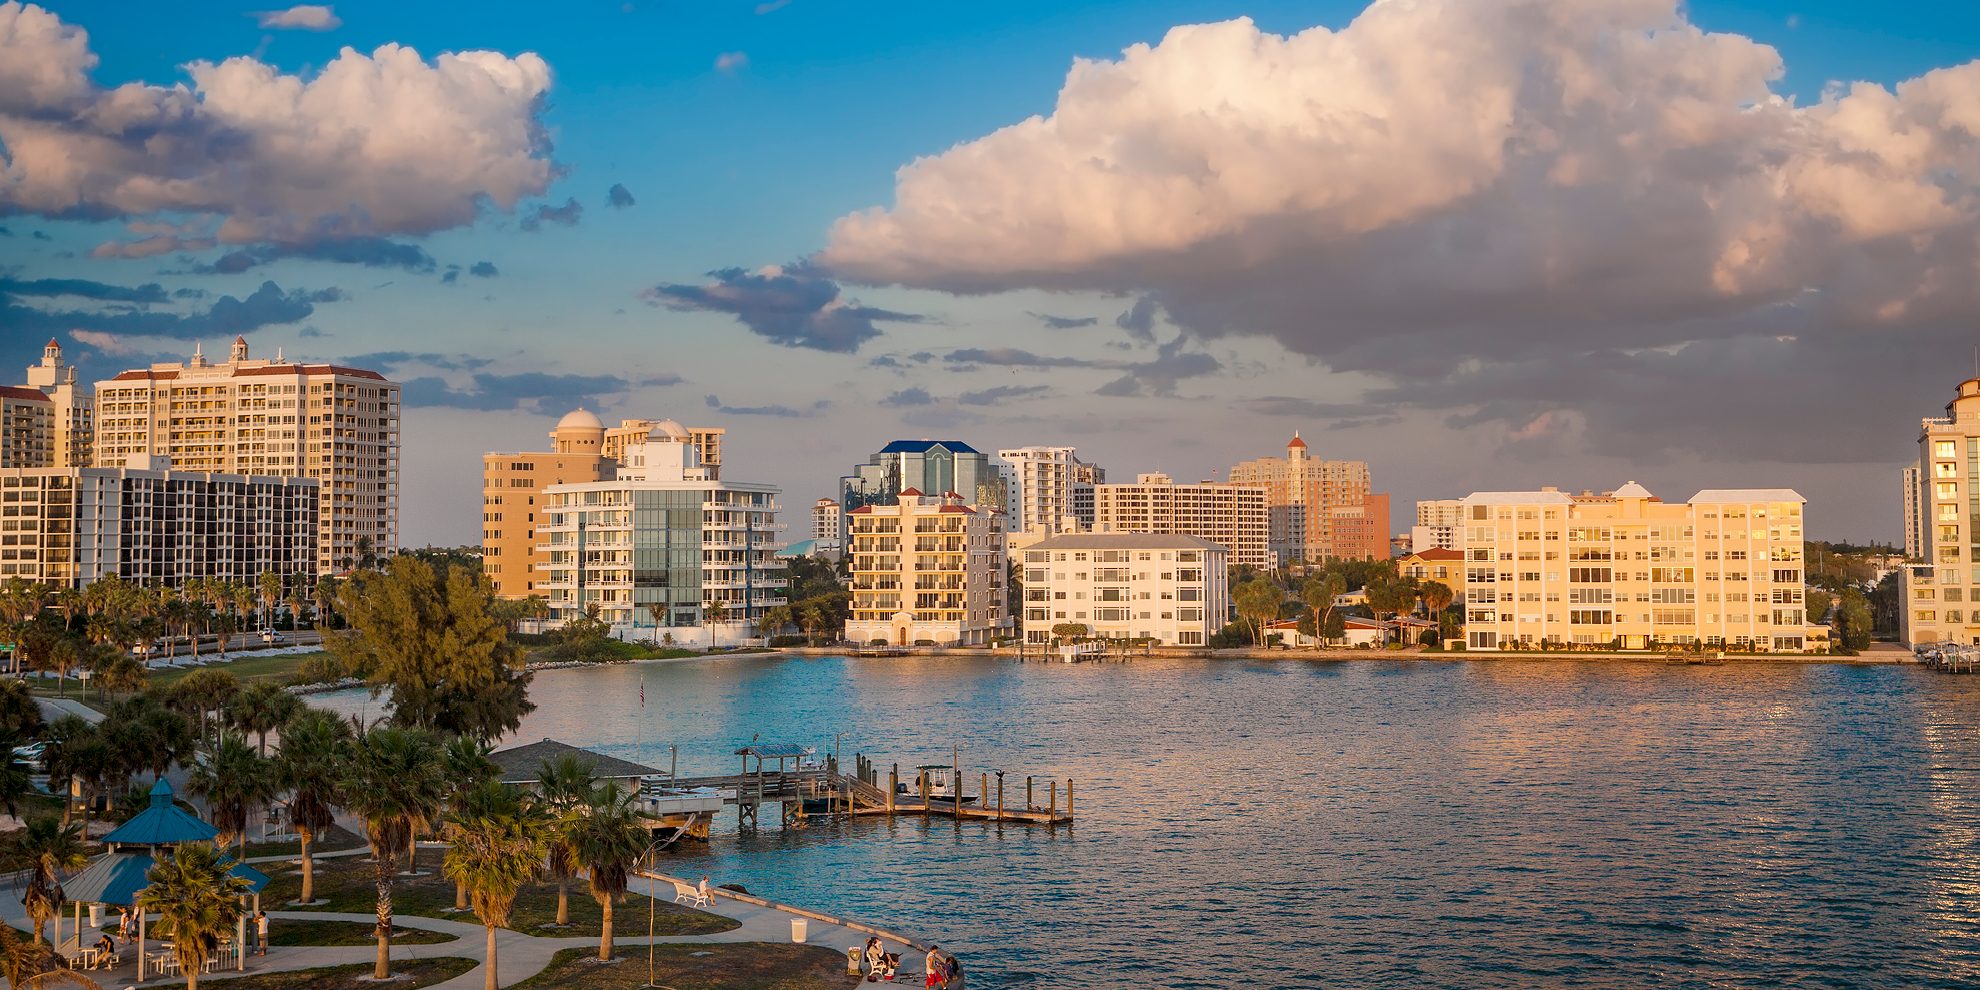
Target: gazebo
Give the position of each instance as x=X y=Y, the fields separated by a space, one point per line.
x=120 y=874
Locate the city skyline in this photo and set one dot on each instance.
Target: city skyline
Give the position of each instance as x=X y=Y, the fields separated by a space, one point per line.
x=563 y=258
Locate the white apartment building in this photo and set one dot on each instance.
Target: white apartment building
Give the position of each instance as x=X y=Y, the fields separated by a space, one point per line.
x=151 y=525
x=253 y=416
x=662 y=548
x=825 y=520
x=1171 y=589
x=926 y=569
x=1234 y=517
x=1628 y=570
x=45 y=423
x=1914 y=513
x=1048 y=485
x=1439 y=524
x=1940 y=594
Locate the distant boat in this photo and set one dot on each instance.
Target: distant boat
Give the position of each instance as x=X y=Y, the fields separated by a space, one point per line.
x=941 y=781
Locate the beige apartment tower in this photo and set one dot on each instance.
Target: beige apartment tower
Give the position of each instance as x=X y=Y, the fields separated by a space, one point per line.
x=1302 y=493
x=254 y=416
x=926 y=569
x=582 y=450
x=1627 y=570
x=46 y=422
x=1232 y=516
x=1941 y=594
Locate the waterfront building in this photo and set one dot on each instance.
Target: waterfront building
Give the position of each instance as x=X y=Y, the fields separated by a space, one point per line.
x=582 y=449
x=1234 y=517
x=1940 y=594
x=926 y=569
x=1302 y=493
x=1625 y=569
x=45 y=422
x=151 y=524
x=253 y=416
x=1437 y=564
x=1169 y=589
x=1047 y=486
x=1914 y=513
x=926 y=466
x=662 y=548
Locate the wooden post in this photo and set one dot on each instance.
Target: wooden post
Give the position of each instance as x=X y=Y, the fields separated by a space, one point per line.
x=923 y=775
x=983 y=790
x=893 y=785
x=1069 y=811
x=1029 y=803
x=1052 y=810
x=1000 y=797
x=955 y=778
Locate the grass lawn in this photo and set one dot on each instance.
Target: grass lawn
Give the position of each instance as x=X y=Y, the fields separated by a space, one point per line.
x=249 y=667
x=408 y=974
x=288 y=931
x=714 y=966
x=346 y=884
x=332 y=839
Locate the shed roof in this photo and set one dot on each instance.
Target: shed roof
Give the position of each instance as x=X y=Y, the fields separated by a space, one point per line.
x=524 y=764
x=117 y=878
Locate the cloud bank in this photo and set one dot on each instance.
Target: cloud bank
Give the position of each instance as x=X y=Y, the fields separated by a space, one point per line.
x=794 y=306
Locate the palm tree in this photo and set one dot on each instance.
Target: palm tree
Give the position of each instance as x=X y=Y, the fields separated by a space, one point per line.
x=812 y=616
x=326 y=596
x=233 y=780
x=658 y=612
x=714 y=614
x=262 y=707
x=15 y=783
x=48 y=847
x=467 y=767
x=395 y=783
x=268 y=588
x=607 y=840
x=316 y=747
x=78 y=759
x=565 y=784
x=20 y=714
x=498 y=843
x=195 y=896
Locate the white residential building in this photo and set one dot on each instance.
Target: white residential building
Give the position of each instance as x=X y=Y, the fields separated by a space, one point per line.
x=1048 y=485
x=1914 y=513
x=1941 y=594
x=926 y=569
x=1438 y=525
x=253 y=416
x=825 y=520
x=1625 y=569
x=1170 y=589
x=45 y=423
x=662 y=548
x=151 y=525
x=1234 y=517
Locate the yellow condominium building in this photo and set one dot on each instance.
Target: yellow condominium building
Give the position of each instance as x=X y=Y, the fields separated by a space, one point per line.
x=1627 y=570
x=1302 y=493
x=926 y=569
x=258 y=417
x=1942 y=594
x=1232 y=516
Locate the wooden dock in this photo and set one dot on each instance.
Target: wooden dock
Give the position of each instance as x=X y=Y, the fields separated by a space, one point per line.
x=806 y=792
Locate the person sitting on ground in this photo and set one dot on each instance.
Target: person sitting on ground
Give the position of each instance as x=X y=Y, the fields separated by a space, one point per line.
x=890 y=963
x=951 y=973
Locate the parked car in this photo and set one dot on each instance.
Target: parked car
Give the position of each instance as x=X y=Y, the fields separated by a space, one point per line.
x=270 y=637
x=32 y=754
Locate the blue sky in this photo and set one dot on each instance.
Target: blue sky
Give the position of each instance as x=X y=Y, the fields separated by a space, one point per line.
x=819 y=104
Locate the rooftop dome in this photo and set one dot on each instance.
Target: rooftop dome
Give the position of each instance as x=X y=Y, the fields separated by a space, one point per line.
x=580 y=419
x=667 y=429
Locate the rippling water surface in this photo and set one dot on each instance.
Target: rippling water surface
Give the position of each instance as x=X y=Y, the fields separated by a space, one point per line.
x=1365 y=824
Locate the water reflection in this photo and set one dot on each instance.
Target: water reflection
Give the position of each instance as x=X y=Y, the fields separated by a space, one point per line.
x=1367 y=824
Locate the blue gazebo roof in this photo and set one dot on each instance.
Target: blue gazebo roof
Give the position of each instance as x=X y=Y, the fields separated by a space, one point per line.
x=162 y=824
x=117 y=878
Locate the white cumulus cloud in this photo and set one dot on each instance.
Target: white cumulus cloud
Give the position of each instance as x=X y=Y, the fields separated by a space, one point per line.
x=305 y=17
x=385 y=143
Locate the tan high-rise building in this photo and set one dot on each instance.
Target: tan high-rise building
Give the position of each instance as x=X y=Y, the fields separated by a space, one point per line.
x=1941 y=595
x=47 y=422
x=1627 y=570
x=1232 y=516
x=1301 y=493
x=254 y=416
x=926 y=569
x=582 y=450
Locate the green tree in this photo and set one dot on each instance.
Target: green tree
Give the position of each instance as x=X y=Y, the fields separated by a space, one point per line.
x=202 y=693
x=115 y=671
x=607 y=840
x=438 y=646
x=79 y=759
x=268 y=589
x=20 y=714
x=1853 y=620
x=565 y=784
x=396 y=782
x=1258 y=601
x=466 y=767
x=316 y=748
x=49 y=848
x=714 y=613
x=233 y=780
x=261 y=708
x=196 y=897
x=497 y=841
x=1817 y=605
x=1319 y=593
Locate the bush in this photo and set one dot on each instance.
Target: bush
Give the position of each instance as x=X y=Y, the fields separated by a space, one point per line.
x=325 y=669
x=779 y=642
x=1427 y=637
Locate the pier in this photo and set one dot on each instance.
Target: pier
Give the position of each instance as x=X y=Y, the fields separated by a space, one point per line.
x=1951 y=658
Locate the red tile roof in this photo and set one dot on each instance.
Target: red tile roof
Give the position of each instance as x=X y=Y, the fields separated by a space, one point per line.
x=19 y=392
x=863 y=508
x=916 y=492
x=957 y=508
x=1437 y=553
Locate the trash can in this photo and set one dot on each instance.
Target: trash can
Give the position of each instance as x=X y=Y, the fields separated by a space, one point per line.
x=799 y=927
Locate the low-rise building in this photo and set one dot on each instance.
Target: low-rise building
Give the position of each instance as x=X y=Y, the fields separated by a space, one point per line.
x=1437 y=564
x=1234 y=517
x=1170 y=589
x=151 y=525
x=662 y=549
x=1626 y=570
x=926 y=569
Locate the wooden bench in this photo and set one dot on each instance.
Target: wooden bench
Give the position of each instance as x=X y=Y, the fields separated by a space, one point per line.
x=690 y=894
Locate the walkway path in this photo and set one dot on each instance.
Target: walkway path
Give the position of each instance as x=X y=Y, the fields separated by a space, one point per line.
x=54 y=708
x=523 y=956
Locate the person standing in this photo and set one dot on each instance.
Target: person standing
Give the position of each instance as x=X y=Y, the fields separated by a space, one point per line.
x=935 y=976
x=261 y=933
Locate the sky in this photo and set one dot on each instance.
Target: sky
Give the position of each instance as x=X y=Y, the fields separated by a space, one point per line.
x=1480 y=244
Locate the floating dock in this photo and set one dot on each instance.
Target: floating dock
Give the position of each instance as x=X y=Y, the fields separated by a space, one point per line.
x=802 y=790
